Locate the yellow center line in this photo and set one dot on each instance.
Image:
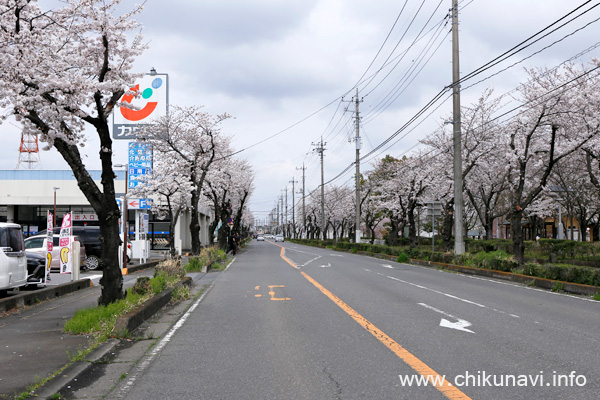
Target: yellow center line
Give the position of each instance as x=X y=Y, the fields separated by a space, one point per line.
x=447 y=389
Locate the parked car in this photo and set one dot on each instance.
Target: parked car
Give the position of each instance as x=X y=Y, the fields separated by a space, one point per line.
x=36 y=265
x=37 y=244
x=279 y=238
x=260 y=239
x=13 y=262
x=90 y=237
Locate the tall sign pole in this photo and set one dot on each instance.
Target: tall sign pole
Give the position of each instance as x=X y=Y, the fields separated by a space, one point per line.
x=459 y=243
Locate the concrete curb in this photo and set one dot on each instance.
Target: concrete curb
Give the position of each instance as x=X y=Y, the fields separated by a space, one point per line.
x=36 y=296
x=569 y=287
x=133 y=319
x=73 y=371
x=27 y=299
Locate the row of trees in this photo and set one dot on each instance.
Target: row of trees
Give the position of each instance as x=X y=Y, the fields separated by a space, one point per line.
x=518 y=166
x=193 y=169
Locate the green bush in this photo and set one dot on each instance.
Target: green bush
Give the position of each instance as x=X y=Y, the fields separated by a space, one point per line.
x=564 y=272
x=141 y=286
x=498 y=260
x=195 y=264
x=403 y=257
x=159 y=283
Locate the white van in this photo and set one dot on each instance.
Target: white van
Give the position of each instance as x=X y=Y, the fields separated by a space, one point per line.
x=13 y=262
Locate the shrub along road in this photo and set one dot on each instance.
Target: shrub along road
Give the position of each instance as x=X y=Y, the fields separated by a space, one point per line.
x=318 y=324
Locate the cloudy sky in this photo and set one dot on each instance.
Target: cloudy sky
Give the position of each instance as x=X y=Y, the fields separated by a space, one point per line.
x=281 y=69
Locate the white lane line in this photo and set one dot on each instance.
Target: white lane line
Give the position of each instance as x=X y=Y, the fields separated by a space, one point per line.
x=438 y=292
x=297 y=265
x=460 y=325
x=387 y=266
x=444 y=294
x=141 y=367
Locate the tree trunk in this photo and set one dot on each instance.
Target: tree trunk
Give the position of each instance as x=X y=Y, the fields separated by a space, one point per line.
x=393 y=234
x=448 y=226
x=517 y=235
x=412 y=229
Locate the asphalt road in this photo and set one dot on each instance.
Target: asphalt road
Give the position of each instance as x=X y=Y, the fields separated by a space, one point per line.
x=310 y=323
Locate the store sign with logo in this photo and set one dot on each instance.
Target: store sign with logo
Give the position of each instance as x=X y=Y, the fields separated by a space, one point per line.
x=150 y=103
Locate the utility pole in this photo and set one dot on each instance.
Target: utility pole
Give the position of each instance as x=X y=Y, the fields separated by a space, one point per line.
x=282 y=221
x=293 y=208
x=459 y=243
x=357 y=232
x=303 y=199
x=285 y=225
x=320 y=149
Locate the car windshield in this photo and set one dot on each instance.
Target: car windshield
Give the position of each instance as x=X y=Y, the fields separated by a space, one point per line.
x=11 y=238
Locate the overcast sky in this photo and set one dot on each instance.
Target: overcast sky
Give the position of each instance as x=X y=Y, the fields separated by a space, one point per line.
x=273 y=64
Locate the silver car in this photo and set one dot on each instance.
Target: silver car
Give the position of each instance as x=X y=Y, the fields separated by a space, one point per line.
x=13 y=262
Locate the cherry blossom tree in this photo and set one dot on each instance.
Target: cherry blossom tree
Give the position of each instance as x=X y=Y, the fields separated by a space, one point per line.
x=191 y=137
x=62 y=73
x=228 y=188
x=171 y=185
x=561 y=117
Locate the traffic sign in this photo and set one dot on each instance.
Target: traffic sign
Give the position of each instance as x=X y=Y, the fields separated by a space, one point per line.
x=136 y=204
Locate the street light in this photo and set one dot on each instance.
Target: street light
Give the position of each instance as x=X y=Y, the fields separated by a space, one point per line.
x=125 y=230
x=54 y=219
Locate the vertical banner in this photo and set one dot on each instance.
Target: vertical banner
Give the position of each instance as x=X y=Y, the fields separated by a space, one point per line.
x=49 y=245
x=66 y=261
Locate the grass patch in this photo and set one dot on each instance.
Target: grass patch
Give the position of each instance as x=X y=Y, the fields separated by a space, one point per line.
x=207 y=256
x=597 y=297
x=99 y=321
x=558 y=287
x=181 y=292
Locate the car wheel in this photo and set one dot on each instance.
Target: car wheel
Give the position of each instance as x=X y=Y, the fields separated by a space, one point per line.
x=128 y=260
x=92 y=262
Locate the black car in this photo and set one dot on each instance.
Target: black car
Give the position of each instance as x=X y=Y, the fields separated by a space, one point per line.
x=36 y=265
x=90 y=238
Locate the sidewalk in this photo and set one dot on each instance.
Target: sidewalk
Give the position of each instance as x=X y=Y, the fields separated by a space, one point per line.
x=33 y=343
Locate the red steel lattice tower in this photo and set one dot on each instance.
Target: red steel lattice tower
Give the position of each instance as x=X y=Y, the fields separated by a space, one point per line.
x=29 y=152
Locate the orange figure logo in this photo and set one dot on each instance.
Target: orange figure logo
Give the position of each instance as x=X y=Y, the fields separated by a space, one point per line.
x=137 y=115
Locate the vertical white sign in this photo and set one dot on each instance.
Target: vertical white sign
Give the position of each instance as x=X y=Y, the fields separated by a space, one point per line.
x=66 y=259
x=49 y=244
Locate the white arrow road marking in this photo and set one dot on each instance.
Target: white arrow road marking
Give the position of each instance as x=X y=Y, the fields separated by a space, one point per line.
x=336 y=255
x=460 y=325
x=326 y=266
x=387 y=266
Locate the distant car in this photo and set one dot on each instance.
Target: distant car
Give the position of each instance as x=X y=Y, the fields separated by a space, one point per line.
x=260 y=239
x=37 y=244
x=279 y=238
